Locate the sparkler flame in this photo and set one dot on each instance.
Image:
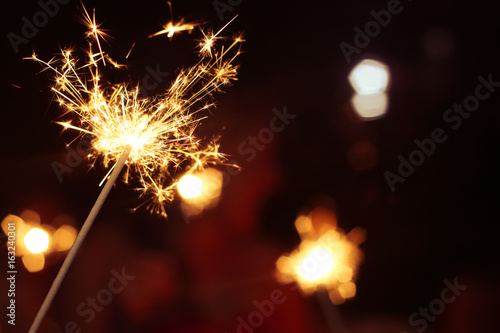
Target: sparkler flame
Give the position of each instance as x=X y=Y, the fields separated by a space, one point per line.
x=160 y=129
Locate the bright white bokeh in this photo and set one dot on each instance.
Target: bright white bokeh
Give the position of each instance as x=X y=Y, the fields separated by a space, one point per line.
x=190 y=186
x=370 y=107
x=370 y=77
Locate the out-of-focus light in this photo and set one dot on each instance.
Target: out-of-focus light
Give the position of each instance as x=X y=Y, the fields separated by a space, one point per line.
x=312 y=269
x=64 y=237
x=34 y=262
x=303 y=224
x=369 y=77
x=362 y=155
x=36 y=240
x=190 y=186
x=12 y=221
x=347 y=289
x=370 y=107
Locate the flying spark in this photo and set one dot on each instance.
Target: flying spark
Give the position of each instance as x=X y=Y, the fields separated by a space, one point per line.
x=171 y=28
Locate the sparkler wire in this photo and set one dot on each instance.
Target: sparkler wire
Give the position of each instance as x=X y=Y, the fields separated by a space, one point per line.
x=79 y=240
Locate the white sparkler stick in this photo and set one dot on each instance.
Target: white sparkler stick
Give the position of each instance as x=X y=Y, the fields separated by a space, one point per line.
x=79 y=240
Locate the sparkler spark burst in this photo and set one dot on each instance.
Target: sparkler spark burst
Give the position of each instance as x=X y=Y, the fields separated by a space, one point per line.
x=326 y=257
x=160 y=129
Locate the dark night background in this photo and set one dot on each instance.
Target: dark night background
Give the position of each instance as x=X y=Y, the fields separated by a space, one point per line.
x=441 y=223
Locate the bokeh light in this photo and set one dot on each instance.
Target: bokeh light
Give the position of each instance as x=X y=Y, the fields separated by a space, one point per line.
x=362 y=155
x=370 y=107
x=34 y=262
x=190 y=186
x=317 y=264
x=36 y=240
x=64 y=237
x=369 y=77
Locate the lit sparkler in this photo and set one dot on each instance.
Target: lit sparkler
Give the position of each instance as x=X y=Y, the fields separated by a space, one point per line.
x=152 y=136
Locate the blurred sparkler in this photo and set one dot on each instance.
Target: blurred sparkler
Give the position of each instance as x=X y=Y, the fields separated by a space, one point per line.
x=151 y=136
x=171 y=28
x=325 y=259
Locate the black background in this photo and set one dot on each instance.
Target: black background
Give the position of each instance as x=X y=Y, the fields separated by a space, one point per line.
x=441 y=223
